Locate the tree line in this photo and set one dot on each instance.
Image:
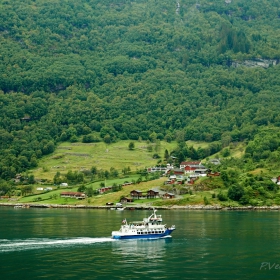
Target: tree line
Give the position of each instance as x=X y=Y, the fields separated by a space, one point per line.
x=89 y=71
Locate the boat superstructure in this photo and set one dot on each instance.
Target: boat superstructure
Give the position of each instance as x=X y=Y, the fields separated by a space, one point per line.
x=150 y=228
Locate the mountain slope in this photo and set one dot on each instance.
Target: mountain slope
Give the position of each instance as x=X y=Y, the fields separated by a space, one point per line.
x=122 y=70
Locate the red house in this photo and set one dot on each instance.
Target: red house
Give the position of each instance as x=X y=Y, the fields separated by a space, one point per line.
x=177 y=171
x=192 y=166
x=105 y=189
x=213 y=174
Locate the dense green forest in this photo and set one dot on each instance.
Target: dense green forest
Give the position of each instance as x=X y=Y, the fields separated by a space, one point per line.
x=107 y=70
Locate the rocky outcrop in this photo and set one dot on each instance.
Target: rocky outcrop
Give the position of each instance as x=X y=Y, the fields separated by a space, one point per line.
x=264 y=63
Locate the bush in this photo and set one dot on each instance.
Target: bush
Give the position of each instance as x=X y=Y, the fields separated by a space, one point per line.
x=222 y=197
x=206 y=201
x=235 y=192
x=155 y=156
x=82 y=188
x=90 y=139
x=244 y=199
x=131 y=146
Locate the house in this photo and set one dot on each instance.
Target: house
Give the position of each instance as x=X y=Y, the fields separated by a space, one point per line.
x=127 y=184
x=152 y=193
x=180 y=178
x=126 y=200
x=170 y=182
x=193 y=176
x=136 y=194
x=200 y=171
x=156 y=169
x=178 y=171
x=192 y=168
x=215 y=161
x=77 y=195
x=64 y=185
x=183 y=164
x=168 y=196
x=191 y=181
x=104 y=189
x=213 y=174
x=276 y=180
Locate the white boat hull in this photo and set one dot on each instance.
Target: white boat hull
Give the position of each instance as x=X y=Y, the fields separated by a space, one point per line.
x=120 y=235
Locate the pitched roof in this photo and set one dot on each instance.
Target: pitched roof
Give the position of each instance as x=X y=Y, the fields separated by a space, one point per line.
x=151 y=190
x=190 y=163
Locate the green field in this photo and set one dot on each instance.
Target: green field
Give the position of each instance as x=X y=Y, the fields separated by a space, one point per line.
x=79 y=156
x=53 y=197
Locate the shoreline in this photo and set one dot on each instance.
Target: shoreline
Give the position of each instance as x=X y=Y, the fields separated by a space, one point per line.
x=143 y=207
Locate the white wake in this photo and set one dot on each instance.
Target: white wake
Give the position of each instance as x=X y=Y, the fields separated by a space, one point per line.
x=39 y=243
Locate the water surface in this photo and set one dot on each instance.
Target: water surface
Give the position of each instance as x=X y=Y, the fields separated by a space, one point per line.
x=76 y=244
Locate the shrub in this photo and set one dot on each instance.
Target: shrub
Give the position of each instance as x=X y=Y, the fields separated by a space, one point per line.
x=206 y=201
x=131 y=146
x=222 y=197
x=235 y=192
x=244 y=199
x=155 y=156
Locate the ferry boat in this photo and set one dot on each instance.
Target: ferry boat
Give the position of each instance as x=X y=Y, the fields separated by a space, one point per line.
x=149 y=228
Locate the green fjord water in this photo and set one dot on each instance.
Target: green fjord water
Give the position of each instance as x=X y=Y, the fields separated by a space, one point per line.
x=76 y=244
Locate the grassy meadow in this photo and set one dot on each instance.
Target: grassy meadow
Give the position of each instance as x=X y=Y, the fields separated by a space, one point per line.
x=78 y=156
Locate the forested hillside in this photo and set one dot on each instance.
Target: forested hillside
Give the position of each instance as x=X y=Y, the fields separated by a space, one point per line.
x=117 y=69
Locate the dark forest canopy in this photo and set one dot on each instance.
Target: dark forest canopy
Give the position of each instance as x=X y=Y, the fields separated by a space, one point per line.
x=85 y=69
